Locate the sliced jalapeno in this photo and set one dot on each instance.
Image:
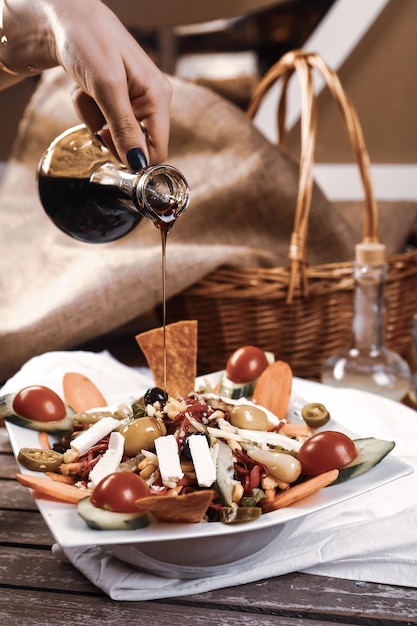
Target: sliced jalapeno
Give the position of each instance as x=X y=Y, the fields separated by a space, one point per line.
x=38 y=460
x=91 y=418
x=315 y=414
x=239 y=515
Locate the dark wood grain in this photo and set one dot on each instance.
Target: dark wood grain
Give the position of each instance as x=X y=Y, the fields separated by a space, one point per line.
x=7 y=465
x=4 y=439
x=23 y=527
x=41 y=570
x=46 y=609
x=15 y=496
x=312 y=595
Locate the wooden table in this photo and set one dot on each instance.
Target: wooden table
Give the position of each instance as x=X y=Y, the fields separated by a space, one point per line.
x=37 y=588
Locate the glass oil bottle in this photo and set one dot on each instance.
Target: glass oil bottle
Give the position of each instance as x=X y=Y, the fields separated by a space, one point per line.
x=93 y=197
x=367 y=364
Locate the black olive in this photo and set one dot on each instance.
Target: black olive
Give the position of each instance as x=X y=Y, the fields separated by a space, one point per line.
x=63 y=443
x=186 y=449
x=155 y=394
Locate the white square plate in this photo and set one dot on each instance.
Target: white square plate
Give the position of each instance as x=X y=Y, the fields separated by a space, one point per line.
x=205 y=542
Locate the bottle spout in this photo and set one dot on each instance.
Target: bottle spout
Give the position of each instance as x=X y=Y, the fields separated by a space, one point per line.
x=162 y=194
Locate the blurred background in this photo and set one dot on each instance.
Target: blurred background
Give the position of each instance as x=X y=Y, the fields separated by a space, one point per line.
x=228 y=44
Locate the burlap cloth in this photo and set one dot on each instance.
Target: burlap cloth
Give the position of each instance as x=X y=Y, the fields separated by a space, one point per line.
x=57 y=293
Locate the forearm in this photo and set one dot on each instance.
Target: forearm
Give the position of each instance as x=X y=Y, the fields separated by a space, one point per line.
x=116 y=84
x=26 y=42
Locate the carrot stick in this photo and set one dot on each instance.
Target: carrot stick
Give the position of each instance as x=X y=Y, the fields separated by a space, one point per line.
x=273 y=388
x=300 y=491
x=53 y=489
x=270 y=495
x=71 y=468
x=81 y=393
x=295 y=430
x=43 y=496
x=60 y=478
x=44 y=440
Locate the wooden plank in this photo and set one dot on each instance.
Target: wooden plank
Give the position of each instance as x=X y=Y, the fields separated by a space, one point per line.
x=19 y=607
x=312 y=596
x=24 y=528
x=40 y=569
x=8 y=466
x=320 y=596
x=5 y=447
x=4 y=440
x=15 y=496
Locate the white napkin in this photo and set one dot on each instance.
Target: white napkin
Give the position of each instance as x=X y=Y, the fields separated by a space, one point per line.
x=117 y=380
x=369 y=538
x=328 y=543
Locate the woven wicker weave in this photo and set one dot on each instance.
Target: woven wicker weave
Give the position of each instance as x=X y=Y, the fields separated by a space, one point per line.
x=302 y=314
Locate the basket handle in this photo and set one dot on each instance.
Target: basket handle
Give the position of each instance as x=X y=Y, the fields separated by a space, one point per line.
x=303 y=63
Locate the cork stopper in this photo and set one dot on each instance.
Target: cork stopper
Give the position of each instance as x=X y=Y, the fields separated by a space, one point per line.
x=370 y=253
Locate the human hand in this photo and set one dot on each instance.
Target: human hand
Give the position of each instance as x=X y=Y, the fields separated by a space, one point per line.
x=117 y=85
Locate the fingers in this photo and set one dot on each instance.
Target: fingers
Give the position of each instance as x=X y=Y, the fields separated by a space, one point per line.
x=126 y=122
x=90 y=113
x=87 y=110
x=138 y=117
x=155 y=123
x=119 y=86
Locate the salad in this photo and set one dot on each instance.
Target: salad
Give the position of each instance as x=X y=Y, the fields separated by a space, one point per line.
x=228 y=454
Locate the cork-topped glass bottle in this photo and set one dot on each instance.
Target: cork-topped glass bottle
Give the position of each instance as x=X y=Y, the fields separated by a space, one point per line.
x=367 y=364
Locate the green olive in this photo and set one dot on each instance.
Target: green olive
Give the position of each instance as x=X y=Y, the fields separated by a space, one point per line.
x=249 y=416
x=140 y=434
x=315 y=414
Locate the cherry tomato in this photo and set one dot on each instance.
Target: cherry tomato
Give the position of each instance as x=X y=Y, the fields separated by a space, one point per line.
x=326 y=451
x=119 y=491
x=40 y=404
x=246 y=364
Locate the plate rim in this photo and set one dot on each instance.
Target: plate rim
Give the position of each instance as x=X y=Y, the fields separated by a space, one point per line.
x=77 y=534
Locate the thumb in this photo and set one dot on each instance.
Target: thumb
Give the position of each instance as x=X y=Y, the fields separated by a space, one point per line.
x=125 y=136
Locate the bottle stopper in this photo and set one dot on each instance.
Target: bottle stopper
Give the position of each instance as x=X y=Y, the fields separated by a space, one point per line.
x=370 y=253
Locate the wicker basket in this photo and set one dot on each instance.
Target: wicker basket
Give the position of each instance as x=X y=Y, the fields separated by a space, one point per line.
x=302 y=314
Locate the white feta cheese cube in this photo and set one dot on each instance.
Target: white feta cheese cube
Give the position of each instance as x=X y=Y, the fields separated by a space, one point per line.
x=168 y=460
x=97 y=431
x=110 y=460
x=204 y=465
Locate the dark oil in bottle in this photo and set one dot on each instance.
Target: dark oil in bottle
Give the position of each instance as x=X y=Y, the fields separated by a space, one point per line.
x=87 y=211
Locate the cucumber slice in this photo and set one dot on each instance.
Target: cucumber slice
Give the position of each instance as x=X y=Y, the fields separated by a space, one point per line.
x=224 y=473
x=101 y=519
x=371 y=451
x=8 y=413
x=234 y=391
